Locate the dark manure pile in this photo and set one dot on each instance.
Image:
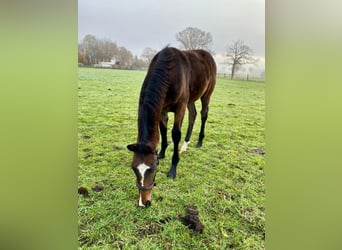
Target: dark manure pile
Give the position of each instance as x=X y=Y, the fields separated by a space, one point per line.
x=83 y=191
x=191 y=219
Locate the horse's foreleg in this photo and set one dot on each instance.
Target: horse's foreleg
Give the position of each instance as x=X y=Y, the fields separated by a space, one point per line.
x=192 y=117
x=163 y=133
x=176 y=136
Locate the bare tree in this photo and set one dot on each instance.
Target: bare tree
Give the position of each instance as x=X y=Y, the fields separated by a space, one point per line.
x=138 y=63
x=239 y=54
x=89 y=47
x=107 y=49
x=148 y=55
x=125 y=57
x=194 y=38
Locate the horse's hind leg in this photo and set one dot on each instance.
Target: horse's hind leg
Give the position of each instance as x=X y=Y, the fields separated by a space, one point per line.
x=204 y=116
x=163 y=132
x=192 y=117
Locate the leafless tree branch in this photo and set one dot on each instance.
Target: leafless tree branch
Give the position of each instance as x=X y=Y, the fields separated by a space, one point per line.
x=238 y=54
x=194 y=38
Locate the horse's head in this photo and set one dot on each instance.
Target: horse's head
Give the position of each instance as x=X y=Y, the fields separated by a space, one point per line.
x=144 y=165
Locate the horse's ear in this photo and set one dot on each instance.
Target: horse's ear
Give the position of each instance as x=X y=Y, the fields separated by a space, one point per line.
x=132 y=147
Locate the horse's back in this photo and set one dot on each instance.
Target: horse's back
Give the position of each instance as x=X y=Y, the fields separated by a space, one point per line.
x=186 y=75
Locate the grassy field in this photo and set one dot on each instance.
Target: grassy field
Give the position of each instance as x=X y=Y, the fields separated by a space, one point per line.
x=224 y=179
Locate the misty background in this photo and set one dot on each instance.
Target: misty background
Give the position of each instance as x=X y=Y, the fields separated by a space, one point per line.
x=136 y=25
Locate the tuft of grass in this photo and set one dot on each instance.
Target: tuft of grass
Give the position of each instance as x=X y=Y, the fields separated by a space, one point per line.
x=224 y=178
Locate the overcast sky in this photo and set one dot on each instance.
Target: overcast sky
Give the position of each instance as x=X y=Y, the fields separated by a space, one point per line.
x=136 y=24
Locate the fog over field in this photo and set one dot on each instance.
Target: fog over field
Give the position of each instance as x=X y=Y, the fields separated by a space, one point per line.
x=153 y=23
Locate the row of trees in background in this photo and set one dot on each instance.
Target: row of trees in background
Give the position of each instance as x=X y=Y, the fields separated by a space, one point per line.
x=92 y=51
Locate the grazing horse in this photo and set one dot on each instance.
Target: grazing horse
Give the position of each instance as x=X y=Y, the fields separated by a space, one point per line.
x=174 y=81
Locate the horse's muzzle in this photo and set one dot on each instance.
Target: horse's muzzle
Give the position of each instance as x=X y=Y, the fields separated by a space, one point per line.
x=146 y=204
x=145 y=198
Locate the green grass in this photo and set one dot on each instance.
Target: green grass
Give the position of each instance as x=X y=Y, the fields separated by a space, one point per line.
x=224 y=179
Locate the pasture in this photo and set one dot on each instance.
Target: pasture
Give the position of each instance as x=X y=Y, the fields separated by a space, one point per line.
x=224 y=179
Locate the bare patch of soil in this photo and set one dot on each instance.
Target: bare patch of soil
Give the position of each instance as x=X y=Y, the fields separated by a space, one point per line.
x=98 y=187
x=165 y=220
x=257 y=151
x=223 y=194
x=149 y=228
x=159 y=198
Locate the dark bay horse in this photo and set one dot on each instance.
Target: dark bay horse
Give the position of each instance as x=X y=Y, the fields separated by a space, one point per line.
x=174 y=81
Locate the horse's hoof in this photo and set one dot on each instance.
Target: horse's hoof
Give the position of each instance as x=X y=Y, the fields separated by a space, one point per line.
x=171 y=175
x=199 y=145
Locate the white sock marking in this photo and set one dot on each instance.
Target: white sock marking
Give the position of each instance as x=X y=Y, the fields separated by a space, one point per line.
x=184 y=147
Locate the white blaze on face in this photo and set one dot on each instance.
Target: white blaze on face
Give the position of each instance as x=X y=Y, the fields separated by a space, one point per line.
x=142 y=169
x=140 y=202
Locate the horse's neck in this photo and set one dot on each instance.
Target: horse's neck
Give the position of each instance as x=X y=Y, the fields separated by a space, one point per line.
x=151 y=103
x=148 y=126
